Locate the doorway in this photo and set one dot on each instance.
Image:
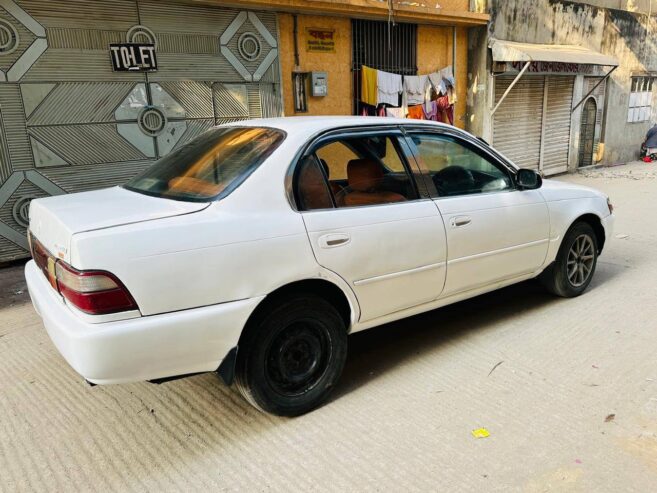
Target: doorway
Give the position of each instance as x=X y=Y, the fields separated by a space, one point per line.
x=587 y=133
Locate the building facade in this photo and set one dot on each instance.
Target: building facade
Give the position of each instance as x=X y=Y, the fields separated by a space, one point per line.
x=94 y=91
x=560 y=116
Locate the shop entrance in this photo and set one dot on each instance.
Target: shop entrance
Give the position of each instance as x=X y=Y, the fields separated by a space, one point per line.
x=587 y=133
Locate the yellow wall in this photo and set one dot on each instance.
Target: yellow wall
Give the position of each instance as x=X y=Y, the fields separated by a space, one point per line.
x=337 y=65
x=434 y=52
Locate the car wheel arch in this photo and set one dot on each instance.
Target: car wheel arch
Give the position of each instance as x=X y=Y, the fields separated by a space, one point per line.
x=596 y=223
x=318 y=286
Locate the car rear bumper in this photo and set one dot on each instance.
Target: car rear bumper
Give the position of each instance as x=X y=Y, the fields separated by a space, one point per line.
x=143 y=348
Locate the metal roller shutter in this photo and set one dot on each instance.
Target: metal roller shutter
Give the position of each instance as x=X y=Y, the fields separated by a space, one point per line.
x=518 y=121
x=556 y=134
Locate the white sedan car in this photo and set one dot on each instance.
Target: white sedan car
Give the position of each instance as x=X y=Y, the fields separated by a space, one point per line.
x=255 y=249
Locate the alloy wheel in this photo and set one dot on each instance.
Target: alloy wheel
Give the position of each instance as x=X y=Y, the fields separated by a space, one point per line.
x=580 y=262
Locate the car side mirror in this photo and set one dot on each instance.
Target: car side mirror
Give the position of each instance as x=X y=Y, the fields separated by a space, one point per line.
x=528 y=179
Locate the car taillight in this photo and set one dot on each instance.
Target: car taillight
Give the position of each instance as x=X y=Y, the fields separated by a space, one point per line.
x=93 y=292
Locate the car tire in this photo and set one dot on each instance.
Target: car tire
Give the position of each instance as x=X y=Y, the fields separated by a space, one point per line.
x=291 y=355
x=571 y=273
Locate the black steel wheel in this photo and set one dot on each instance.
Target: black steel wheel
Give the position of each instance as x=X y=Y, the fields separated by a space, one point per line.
x=292 y=355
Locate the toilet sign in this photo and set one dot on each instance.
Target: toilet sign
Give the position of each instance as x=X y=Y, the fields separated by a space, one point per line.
x=133 y=57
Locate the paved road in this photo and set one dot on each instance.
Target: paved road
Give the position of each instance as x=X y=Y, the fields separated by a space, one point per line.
x=402 y=417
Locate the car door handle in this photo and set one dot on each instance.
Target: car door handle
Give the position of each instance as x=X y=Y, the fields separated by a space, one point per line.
x=460 y=221
x=334 y=240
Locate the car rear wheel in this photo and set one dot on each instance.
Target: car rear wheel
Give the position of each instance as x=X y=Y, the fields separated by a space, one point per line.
x=573 y=269
x=292 y=355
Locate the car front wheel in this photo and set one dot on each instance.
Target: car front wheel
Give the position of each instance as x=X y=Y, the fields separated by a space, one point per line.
x=292 y=355
x=573 y=269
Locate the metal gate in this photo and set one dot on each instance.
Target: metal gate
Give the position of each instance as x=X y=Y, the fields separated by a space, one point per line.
x=532 y=126
x=70 y=123
x=383 y=46
x=587 y=133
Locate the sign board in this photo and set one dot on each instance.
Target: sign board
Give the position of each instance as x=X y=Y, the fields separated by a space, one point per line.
x=319 y=40
x=553 y=67
x=133 y=57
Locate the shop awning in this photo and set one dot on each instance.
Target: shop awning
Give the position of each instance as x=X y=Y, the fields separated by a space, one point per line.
x=511 y=51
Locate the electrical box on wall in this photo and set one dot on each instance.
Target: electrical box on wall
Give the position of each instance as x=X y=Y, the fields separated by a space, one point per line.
x=319 y=84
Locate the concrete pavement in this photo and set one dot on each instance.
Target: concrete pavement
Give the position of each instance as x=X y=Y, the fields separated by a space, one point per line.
x=566 y=388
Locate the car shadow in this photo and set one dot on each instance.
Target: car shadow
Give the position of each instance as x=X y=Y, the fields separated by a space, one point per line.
x=13 y=287
x=373 y=353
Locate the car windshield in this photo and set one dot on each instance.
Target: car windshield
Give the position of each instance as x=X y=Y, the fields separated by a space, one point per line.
x=215 y=162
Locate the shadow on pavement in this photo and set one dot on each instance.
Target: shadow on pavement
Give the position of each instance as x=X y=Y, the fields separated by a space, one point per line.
x=377 y=351
x=13 y=288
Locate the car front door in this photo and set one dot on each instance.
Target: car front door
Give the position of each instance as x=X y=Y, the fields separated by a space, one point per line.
x=495 y=231
x=368 y=223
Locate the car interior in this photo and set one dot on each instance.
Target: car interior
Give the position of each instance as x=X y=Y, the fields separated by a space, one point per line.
x=365 y=171
x=456 y=169
x=369 y=170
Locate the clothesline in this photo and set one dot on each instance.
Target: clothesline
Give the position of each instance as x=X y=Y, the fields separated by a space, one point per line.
x=425 y=97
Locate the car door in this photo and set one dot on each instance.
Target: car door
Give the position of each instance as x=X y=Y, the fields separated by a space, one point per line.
x=495 y=231
x=367 y=222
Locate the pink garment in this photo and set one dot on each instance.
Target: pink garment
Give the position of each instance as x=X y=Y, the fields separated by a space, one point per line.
x=445 y=109
x=432 y=113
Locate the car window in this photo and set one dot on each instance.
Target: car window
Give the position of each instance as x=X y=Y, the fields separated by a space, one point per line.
x=367 y=170
x=208 y=165
x=458 y=169
x=333 y=156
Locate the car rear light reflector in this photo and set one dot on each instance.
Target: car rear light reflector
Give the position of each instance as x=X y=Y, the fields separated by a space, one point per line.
x=83 y=283
x=93 y=292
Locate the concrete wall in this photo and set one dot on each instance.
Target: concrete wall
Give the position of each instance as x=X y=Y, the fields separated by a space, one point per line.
x=337 y=65
x=626 y=35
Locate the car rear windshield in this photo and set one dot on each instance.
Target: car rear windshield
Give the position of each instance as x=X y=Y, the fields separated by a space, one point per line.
x=210 y=166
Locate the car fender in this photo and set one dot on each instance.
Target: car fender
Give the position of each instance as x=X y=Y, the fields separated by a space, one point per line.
x=564 y=213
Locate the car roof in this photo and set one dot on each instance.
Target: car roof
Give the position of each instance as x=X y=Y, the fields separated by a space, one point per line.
x=310 y=125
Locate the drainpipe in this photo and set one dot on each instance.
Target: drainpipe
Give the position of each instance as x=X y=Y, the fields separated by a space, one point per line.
x=295 y=31
x=454 y=52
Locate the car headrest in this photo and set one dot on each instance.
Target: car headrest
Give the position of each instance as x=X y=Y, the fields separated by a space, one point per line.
x=364 y=175
x=312 y=187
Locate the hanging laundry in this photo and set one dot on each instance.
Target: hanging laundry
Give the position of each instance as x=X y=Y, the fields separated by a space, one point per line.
x=448 y=75
x=450 y=82
x=445 y=109
x=389 y=88
x=416 y=112
x=396 y=112
x=431 y=111
x=368 y=85
x=416 y=88
x=438 y=83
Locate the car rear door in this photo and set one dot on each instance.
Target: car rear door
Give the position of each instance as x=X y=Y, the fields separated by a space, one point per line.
x=495 y=231
x=386 y=240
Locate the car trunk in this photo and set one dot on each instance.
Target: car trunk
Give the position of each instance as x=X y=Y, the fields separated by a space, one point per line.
x=54 y=220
